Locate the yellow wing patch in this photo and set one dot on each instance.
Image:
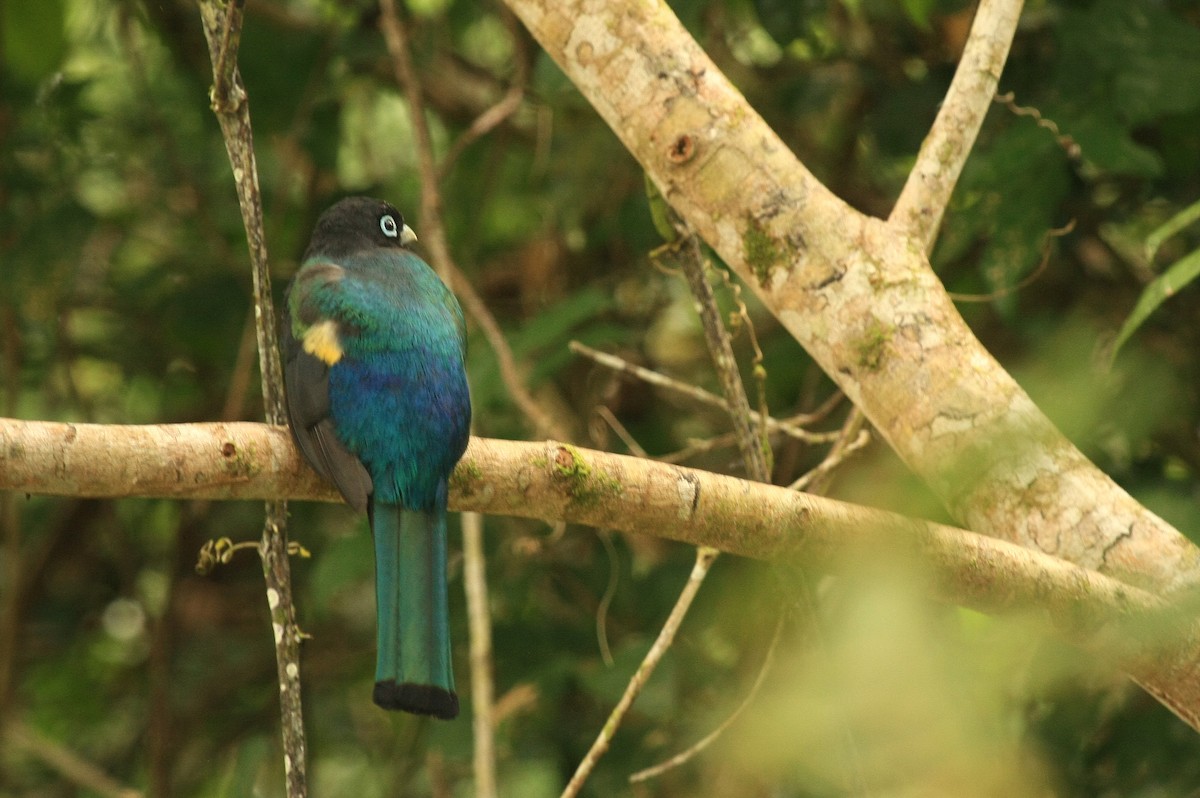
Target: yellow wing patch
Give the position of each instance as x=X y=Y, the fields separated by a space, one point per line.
x=321 y=341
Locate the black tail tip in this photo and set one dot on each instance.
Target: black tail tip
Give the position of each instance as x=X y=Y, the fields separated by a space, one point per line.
x=419 y=699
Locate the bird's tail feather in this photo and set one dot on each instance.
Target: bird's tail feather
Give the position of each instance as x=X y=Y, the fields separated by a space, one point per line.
x=413 y=671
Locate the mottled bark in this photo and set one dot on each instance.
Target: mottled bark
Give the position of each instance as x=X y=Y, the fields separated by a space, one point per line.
x=859 y=295
x=553 y=481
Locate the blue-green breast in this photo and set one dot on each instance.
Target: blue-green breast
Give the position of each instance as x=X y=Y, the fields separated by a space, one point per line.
x=398 y=392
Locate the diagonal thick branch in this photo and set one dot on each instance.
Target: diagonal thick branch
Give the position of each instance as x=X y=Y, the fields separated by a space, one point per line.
x=860 y=296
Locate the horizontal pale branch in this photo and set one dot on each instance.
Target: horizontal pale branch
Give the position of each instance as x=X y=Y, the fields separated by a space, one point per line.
x=553 y=481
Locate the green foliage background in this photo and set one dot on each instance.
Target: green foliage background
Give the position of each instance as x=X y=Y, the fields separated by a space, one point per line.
x=124 y=299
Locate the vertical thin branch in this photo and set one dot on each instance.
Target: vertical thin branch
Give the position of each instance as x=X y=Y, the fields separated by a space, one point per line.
x=482 y=688
x=748 y=426
x=433 y=231
x=434 y=235
x=10 y=519
x=222 y=29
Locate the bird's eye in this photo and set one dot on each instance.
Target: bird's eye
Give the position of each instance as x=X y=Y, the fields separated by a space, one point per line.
x=387 y=223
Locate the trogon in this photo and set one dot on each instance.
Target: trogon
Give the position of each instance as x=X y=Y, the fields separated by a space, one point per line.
x=377 y=399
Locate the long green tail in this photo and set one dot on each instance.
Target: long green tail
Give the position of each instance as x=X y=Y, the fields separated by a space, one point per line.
x=413 y=671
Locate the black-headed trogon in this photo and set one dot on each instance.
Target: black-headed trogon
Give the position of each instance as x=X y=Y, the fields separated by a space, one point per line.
x=374 y=348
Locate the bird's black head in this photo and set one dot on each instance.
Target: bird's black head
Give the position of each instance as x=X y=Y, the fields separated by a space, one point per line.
x=356 y=224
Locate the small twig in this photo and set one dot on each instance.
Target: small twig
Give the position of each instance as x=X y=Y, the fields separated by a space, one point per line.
x=66 y=762
x=610 y=591
x=657 y=379
x=698 y=447
x=662 y=643
x=739 y=319
x=615 y=424
x=492 y=117
x=1069 y=145
x=395 y=35
x=224 y=67
x=239 y=144
x=831 y=462
x=823 y=410
x=1028 y=280
x=707 y=740
x=851 y=438
x=482 y=683
x=647 y=375
x=705 y=445
x=220 y=552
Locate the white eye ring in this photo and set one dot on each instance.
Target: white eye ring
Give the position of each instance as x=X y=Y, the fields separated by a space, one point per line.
x=387 y=223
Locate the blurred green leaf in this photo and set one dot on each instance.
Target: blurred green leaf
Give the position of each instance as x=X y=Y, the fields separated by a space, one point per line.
x=553 y=326
x=1171 y=227
x=34 y=41
x=1110 y=147
x=1136 y=53
x=341 y=565
x=786 y=20
x=919 y=11
x=661 y=213
x=1175 y=278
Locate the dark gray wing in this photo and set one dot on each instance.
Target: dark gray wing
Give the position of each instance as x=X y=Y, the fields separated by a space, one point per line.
x=307 y=381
